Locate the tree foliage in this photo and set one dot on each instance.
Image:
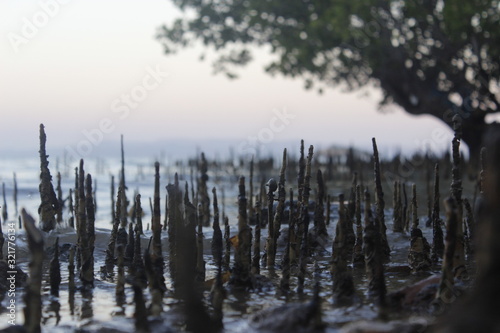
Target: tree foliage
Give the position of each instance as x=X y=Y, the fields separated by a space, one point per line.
x=428 y=56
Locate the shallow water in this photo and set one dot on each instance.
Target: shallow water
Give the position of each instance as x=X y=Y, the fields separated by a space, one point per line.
x=100 y=310
x=97 y=311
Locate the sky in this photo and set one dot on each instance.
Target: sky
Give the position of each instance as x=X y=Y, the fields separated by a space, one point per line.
x=91 y=71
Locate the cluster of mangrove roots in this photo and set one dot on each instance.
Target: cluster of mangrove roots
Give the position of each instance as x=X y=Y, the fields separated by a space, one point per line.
x=360 y=239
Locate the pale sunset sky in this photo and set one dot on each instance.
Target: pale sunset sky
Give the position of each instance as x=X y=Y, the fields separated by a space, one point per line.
x=86 y=66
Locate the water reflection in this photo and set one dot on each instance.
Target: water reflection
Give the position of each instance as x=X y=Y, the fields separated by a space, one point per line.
x=52 y=311
x=71 y=301
x=87 y=312
x=239 y=301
